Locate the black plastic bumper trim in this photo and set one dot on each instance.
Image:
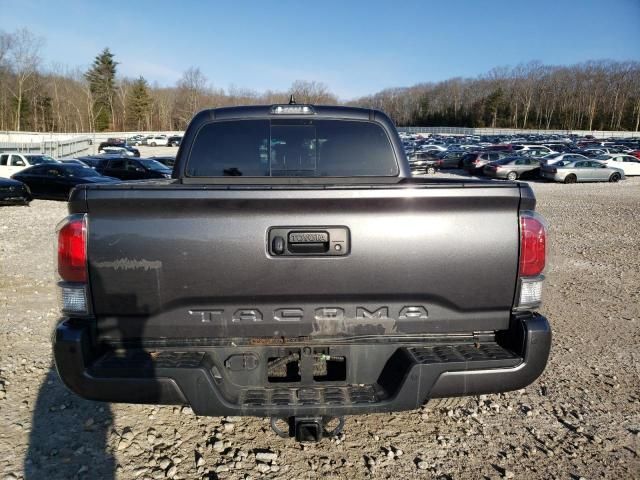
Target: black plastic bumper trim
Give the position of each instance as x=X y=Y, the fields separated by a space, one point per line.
x=529 y=337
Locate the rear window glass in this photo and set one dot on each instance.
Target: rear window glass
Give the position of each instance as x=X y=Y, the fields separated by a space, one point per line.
x=292 y=148
x=153 y=165
x=79 y=171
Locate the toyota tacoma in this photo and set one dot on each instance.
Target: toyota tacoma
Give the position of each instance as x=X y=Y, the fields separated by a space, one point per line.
x=292 y=268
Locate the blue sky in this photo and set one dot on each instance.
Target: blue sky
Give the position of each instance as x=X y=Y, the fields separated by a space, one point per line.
x=356 y=47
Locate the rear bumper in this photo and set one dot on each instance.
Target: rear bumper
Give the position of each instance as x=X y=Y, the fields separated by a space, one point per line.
x=407 y=376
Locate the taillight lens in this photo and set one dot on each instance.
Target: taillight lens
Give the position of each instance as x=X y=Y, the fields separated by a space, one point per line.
x=533 y=245
x=72 y=250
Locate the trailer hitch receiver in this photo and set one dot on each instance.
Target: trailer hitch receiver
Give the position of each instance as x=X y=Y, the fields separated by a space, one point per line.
x=306 y=429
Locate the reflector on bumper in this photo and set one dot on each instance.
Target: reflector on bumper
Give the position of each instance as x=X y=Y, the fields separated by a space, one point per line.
x=73 y=298
x=530 y=292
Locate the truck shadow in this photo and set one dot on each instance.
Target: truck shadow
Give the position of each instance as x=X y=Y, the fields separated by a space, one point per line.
x=68 y=437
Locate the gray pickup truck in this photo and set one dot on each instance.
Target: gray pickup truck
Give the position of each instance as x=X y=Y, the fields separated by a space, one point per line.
x=292 y=268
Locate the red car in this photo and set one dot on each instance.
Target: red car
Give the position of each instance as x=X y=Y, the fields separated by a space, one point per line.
x=636 y=153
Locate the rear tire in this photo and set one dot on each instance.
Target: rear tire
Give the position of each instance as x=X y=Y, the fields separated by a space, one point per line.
x=153 y=144
x=571 y=178
x=615 y=177
x=512 y=176
x=431 y=170
x=447 y=403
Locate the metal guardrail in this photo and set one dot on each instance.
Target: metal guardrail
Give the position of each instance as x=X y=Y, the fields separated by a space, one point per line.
x=54 y=148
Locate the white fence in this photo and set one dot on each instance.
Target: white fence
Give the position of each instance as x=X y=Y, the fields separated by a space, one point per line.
x=61 y=145
x=515 y=131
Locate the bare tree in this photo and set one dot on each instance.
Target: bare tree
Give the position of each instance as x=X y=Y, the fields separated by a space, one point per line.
x=24 y=59
x=192 y=88
x=312 y=92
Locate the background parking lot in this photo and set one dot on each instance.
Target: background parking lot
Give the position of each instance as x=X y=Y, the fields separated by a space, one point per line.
x=580 y=419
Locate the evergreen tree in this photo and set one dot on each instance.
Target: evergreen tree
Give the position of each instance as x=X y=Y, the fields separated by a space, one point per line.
x=101 y=77
x=138 y=104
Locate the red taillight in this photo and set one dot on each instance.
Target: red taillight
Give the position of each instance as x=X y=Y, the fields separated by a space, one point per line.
x=533 y=244
x=72 y=251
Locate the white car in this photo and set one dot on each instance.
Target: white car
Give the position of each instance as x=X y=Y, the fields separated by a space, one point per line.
x=534 y=150
x=13 y=162
x=553 y=158
x=120 y=151
x=629 y=164
x=431 y=146
x=157 y=141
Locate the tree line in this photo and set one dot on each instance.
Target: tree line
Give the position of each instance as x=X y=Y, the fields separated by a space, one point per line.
x=597 y=95
x=59 y=99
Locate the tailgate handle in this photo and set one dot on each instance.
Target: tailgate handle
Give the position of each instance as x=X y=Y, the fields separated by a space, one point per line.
x=309 y=241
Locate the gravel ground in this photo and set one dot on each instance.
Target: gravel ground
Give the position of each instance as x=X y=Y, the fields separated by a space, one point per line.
x=581 y=419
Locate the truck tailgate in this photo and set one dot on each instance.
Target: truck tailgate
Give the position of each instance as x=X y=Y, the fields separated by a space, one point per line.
x=193 y=262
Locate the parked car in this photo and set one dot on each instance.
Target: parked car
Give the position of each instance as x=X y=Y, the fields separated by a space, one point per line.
x=167 y=160
x=474 y=162
x=569 y=171
x=94 y=160
x=299 y=283
x=136 y=140
x=422 y=162
x=512 y=168
x=73 y=161
x=599 y=151
x=450 y=159
x=432 y=147
x=558 y=147
x=629 y=164
x=118 y=149
x=553 y=158
x=13 y=162
x=534 y=150
x=157 y=141
x=14 y=192
x=134 y=168
x=54 y=182
x=118 y=143
x=636 y=153
x=506 y=149
x=174 y=141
